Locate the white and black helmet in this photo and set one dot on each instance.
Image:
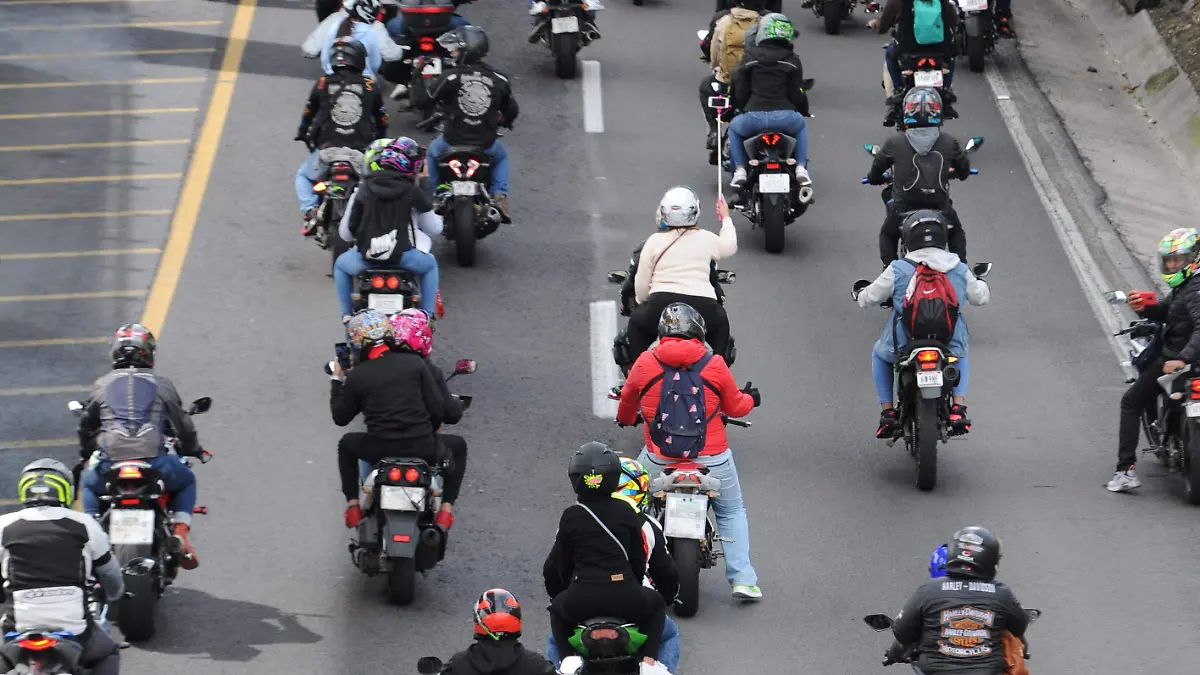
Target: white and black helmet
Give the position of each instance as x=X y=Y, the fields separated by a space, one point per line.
x=680 y=207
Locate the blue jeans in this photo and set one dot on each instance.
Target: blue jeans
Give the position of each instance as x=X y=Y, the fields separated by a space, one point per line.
x=730 y=511
x=748 y=124
x=893 y=66
x=177 y=478
x=351 y=264
x=668 y=649
x=884 y=375
x=307 y=175
x=499 y=155
x=395 y=25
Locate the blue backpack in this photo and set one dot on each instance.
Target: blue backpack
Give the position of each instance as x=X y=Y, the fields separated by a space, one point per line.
x=680 y=424
x=928 y=28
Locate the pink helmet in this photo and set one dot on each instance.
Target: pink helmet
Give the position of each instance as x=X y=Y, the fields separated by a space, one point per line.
x=411 y=330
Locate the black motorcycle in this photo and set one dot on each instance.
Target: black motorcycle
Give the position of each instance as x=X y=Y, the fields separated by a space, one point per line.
x=882 y=622
x=772 y=196
x=469 y=211
x=920 y=70
x=424 y=59
x=564 y=27
x=977 y=31
x=834 y=12
x=334 y=189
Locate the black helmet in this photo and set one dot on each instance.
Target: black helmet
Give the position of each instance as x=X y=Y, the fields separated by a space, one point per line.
x=595 y=471
x=133 y=347
x=682 y=321
x=922 y=108
x=470 y=42
x=925 y=229
x=973 y=552
x=347 y=54
x=45 y=482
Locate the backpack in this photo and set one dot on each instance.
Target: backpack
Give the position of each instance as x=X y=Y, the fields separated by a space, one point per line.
x=734 y=45
x=385 y=231
x=919 y=183
x=930 y=309
x=680 y=426
x=928 y=28
x=346 y=118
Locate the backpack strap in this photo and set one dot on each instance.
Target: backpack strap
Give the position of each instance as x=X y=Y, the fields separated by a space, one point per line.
x=610 y=532
x=703 y=363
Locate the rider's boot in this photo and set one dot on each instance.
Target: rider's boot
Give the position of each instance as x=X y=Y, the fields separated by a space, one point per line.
x=180 y=544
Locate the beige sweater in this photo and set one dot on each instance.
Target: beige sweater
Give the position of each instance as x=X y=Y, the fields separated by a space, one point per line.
x=684 y=268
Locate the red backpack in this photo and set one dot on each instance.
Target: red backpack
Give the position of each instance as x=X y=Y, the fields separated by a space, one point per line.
x=930 y=309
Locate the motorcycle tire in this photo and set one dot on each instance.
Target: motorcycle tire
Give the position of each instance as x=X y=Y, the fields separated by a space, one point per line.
x=772 y=223
x=135 y=612
x=464 y=231
x=402 y=581
x=564 y=47
x=833 y=17
x=1191 y=463
x=686 y=553
x=925 y=440
x=976 y=49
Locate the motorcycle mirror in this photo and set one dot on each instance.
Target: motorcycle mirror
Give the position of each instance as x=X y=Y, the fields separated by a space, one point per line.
x=861 y=284
x=879 y=622
x=1116 y=298
x=429 y=665
x=617 y=276
x=465 y=400
x=974 y=144
x=807 y=84
x=1033 y=614
x=200 y=405
x=726 y=276
x=465 y=367
x=570 y=665
x=981 y=270
x=702 y=34
x=74 y=406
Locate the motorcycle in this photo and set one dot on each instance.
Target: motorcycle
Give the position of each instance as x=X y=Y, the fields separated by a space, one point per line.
x=925 y=376
x=977 y=33
x=470 y=212
x=919 y=70
x=1172 y=424
x=54 y=652
x=882 y=622
x=774 y=198
x=424 y=59
x=344 y=167
x=836 y=11
x=399 y=499
x=134 y=512
x=565 y=27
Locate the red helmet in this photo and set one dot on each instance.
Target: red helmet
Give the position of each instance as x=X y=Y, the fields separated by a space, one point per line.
x=497 y=615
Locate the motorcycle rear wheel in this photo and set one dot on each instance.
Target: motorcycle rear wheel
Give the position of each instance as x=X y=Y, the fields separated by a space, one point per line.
x=772 y=224
x=925 y=440
x=464 y=232
x=1191 y=463
x=686 y=553
x=564 y=46
x=135 y=613
x=976 y=50
x=402 y=581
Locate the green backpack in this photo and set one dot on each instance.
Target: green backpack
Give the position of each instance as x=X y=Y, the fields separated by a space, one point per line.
x=928 y=28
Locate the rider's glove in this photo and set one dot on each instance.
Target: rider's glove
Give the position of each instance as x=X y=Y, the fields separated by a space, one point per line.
x=753 y=393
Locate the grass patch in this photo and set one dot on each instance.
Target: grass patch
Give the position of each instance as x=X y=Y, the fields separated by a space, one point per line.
x=1181 y=31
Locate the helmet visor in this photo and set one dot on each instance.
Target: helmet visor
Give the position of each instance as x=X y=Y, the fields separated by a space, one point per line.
x=1173 y=262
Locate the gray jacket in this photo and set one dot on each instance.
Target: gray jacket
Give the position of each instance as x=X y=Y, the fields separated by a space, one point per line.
x=130 y=413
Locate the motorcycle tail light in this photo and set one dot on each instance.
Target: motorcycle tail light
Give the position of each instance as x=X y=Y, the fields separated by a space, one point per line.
x=341 y=176
x=37 y=645
x=603 y=634
x=129 y=472
x=772 y=165
x=401 y=538
x=394 y=474
x=456 y=167
x=426 y=44
x=376 y=282
x=928 y=358
x=393 y=283
x=130 y=502
x=412 y=475
x=472 y=165
x=1196 y=389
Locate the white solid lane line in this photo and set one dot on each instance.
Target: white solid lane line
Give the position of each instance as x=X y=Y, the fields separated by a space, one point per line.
x=593 y=105
x=604 y=371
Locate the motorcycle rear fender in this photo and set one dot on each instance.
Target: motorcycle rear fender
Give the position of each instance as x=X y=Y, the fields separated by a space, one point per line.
x=774 y=200
x=401 y=524
x=975 y=24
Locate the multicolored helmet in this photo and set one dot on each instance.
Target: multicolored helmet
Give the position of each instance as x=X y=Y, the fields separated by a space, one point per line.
x=497 y=615
x=1178 y=255
x=775 y=27
x=922 y=108
x=374 y=148
x=133 y=347
x=635 y=483
x=411 y=332
x=411 y=149
x=368 y=329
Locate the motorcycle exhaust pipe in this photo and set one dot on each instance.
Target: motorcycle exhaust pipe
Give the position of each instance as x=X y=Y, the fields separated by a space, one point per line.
x=431 y=536
x=806 y=194
x=493 y=214
x=591 y=34
x=951 y=374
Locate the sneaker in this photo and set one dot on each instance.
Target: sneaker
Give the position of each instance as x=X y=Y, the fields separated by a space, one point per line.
x=180 y=545
x=1125 y=481
x=399 y=92
x=614 y=394
x=889 y=424
x=502 y=204
x=354 y=516
x=739 y=178
x=309 y=228
x=537 y=8
x=802 y=176
x=744 y=592
x=959 y=423
x=444 y=520
x=1004 y=26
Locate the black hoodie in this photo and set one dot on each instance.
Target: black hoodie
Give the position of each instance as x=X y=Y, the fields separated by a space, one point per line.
x=498 y=657
x=381 y=218
x=770 y=78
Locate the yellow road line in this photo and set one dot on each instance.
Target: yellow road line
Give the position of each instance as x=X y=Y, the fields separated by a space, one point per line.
x=96 y=113
x=43 y=391
x=187 y=211
x=34 y=56
x=95 y=26
x=87 y=295
x=78 y=254
x=96 y=145
x=104 y=83
x=54 y=342
x=39 y=443
x=90 y=179
x=22 y=217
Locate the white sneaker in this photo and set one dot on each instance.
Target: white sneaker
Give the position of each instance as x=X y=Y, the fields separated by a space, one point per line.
x=1125 y=481
x=399 y=92
x=802 y=175
x=739 y=177
x=537 y=8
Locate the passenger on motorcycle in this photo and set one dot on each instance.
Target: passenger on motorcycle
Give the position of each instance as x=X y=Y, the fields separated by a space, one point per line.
x=678 y=268
x=922 y=27
x=360 y=119
x=400 y=402
x=130 y=413
x=358 y=19
x=629 y=293
x=478 y=100
x=768 y=89
x=47 y=553
x=724 y=47
x=681 y=333
x=925 y=235
x=598 y=561
x=382 y=218
x=497 y=649
x=660 y=566
x=412 y=331
x=968 y=601
x=1179 y=258
x=922 y=159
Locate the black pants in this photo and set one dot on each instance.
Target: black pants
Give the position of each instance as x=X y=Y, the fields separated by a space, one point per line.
x=626 y=600
x=1141 y=396
x=358 y=445
x=889 y=234
x=706 y=90
x=643 y=322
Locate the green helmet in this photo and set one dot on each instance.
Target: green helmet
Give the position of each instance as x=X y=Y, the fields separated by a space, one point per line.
x=372 y=150
x=775 y=27
x=45 y=482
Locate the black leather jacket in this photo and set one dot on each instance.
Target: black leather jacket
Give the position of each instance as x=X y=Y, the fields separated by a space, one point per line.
x=1181 y=317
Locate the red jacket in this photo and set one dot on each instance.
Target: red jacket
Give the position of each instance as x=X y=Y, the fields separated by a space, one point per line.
x=679 y=353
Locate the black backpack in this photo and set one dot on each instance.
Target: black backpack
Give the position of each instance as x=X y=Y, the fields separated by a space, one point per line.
x=680 y=425
x=920 y=183
x=345 y=118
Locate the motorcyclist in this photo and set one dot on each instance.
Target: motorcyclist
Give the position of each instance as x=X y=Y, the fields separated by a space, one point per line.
x=358 y=19
x=478 y=100
x=1179 y=258
x=588 y=33
x=922 y=27
x=660 y=566
x=130 y=413
x=726 y=39
x=412 y=332
x=958 y=622
x=681 y=333
x=398 y=397
x=1014 y=647
x=497 y=649
x=679 y=269
x=598 y=561
x=383 y=217
x=922 y=159
x=768 y=90
x=344 y=112
x=47 y=553
x=925 y=235
x=397 y=28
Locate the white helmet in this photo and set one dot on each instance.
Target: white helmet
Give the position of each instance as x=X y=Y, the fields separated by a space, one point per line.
x=680 y=207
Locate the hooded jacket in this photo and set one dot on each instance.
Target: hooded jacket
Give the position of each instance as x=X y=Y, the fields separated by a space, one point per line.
x=914 y=154
x=770 y=78
x=721 y=394
x=1181 y=314
x=381 y=215
x=498 y=657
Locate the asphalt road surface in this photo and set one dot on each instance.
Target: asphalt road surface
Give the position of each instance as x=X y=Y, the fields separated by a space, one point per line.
x=838 y=528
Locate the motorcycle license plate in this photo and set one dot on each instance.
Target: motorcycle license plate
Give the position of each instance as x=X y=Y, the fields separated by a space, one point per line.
x=432 y=68
x=686 y=515
x=397 y=498
x=131 y=526
x=925 y=380
x=927 y=78
x=388 y=304
x=973 y=5
x=564 y=24
x=1193 y=409
x=464 y=188
x=774 y=183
